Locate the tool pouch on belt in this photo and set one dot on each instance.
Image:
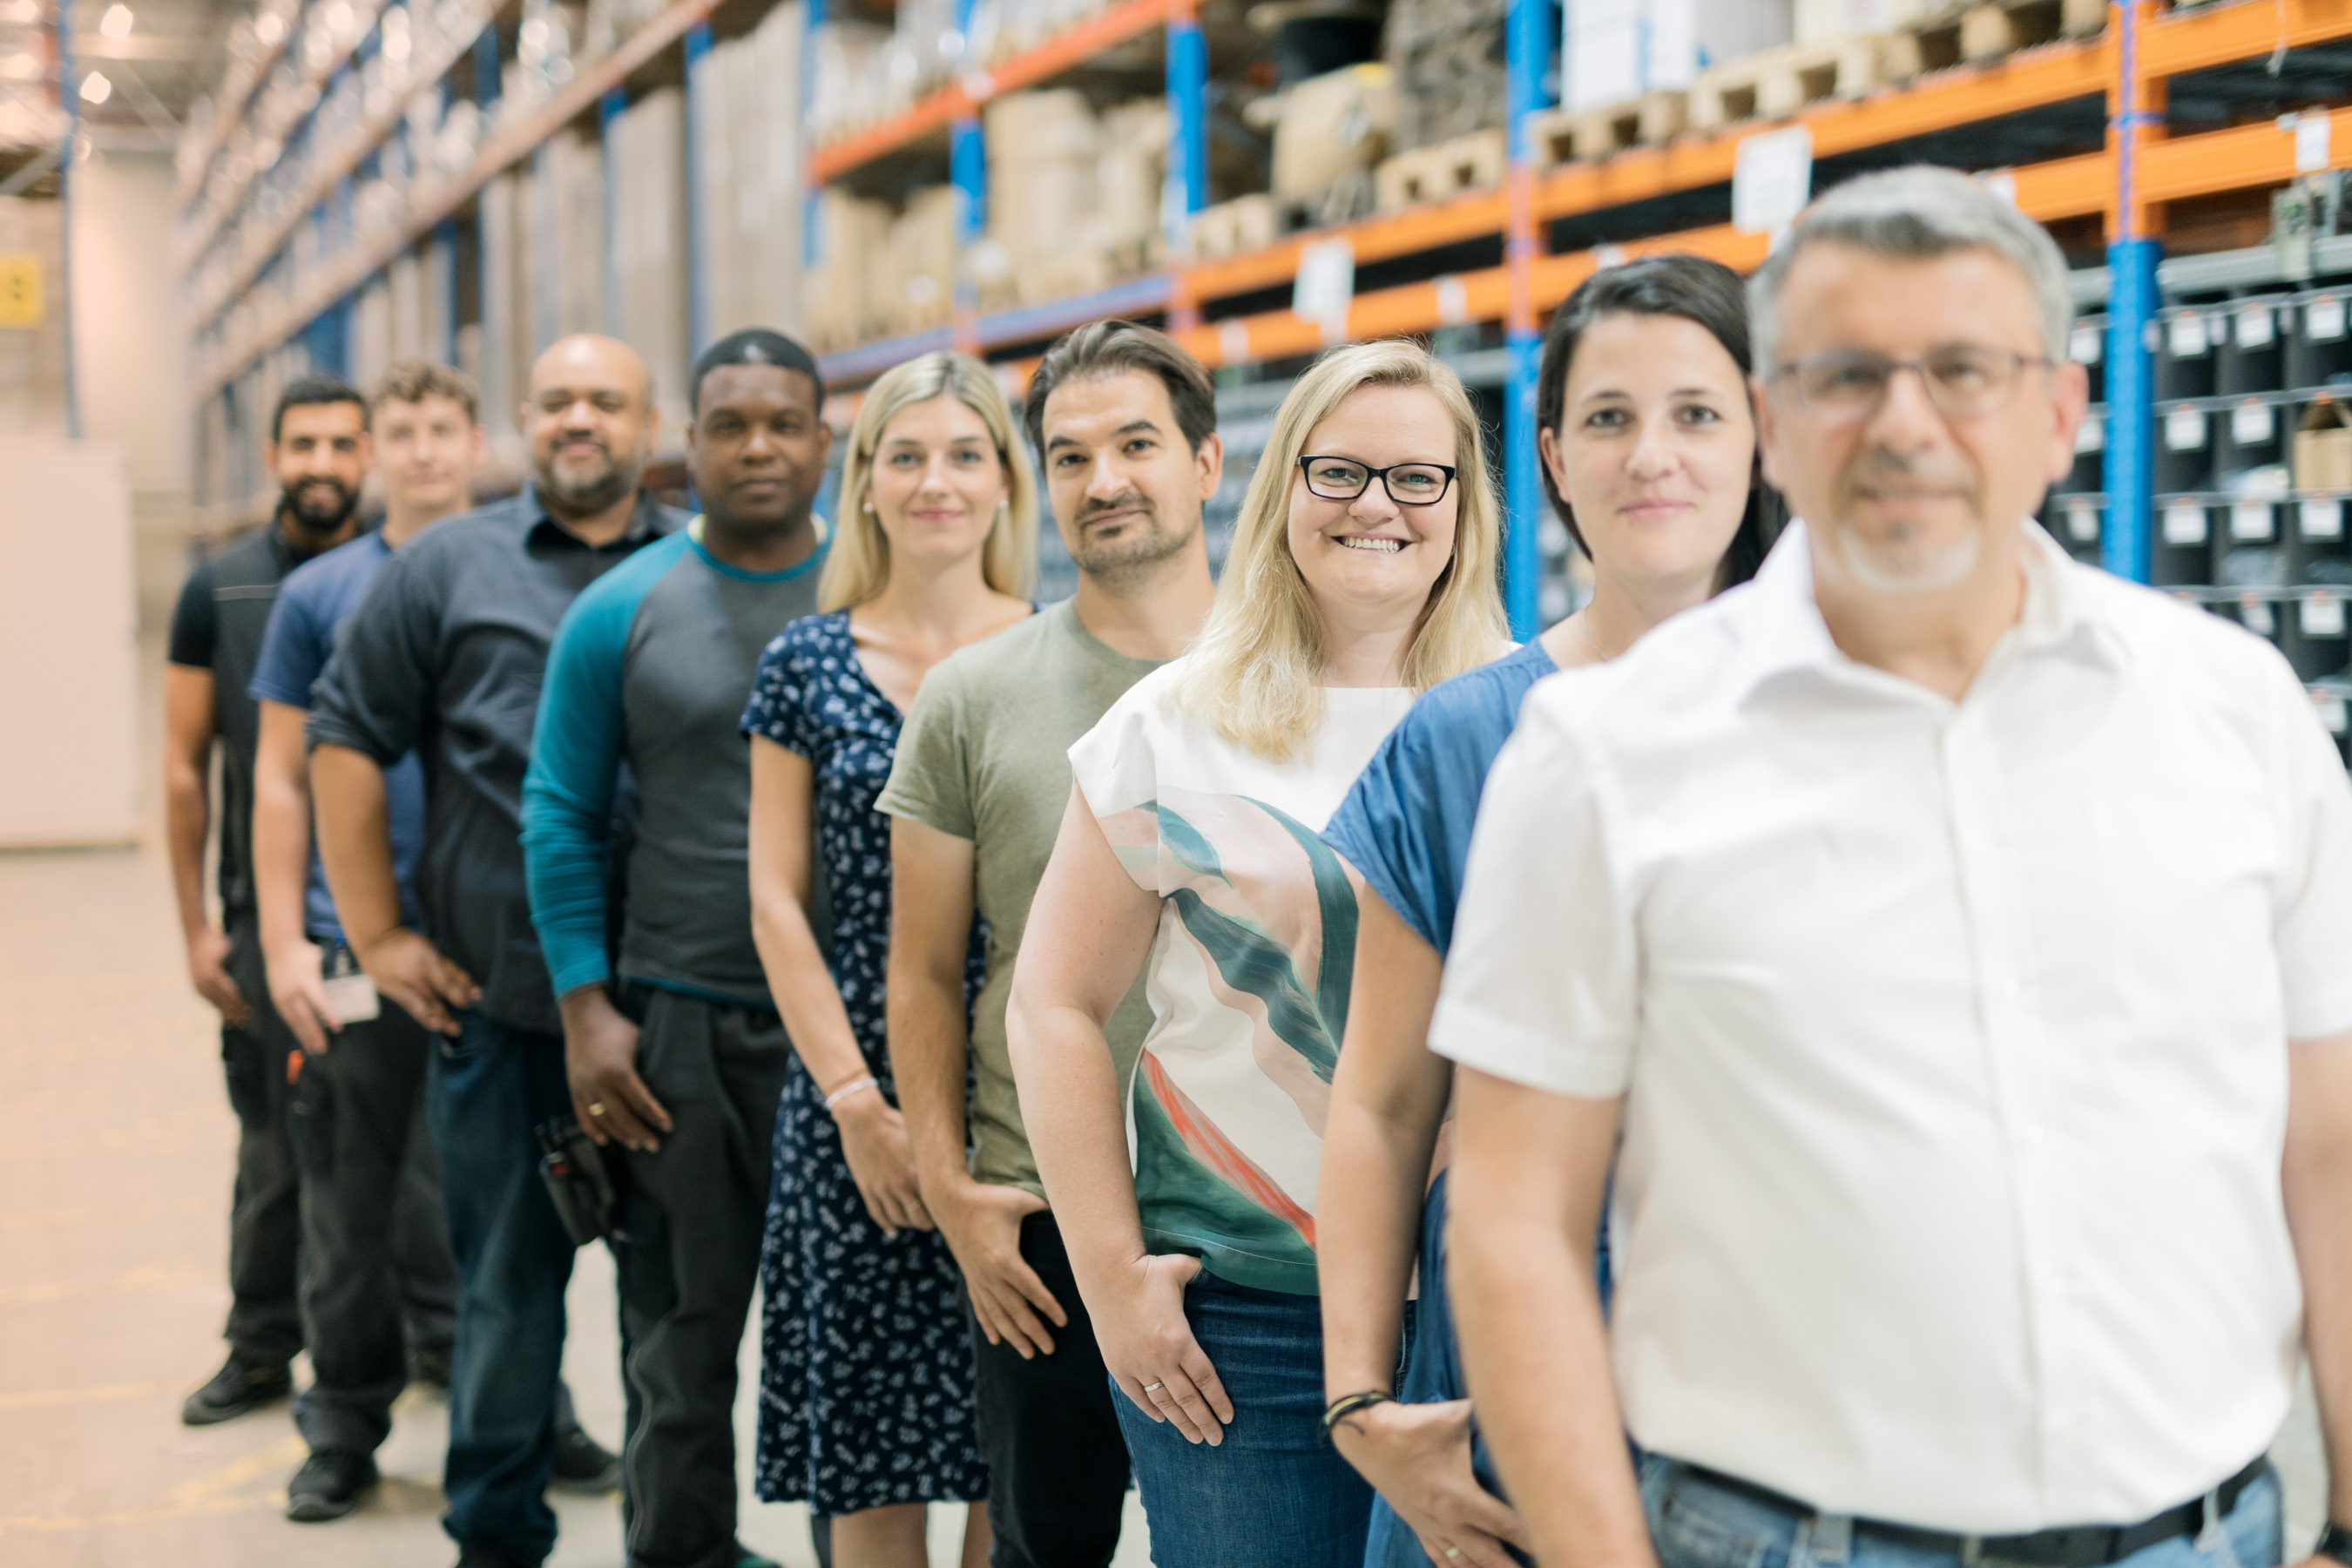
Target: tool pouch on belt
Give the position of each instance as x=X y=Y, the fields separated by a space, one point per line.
x=578 y=1181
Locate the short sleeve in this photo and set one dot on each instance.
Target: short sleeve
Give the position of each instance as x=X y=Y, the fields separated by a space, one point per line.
x=778 y=708
x=377 y=692
x=1115 y=768
x=2314 y=918
x=195 y=621
x=293 y=651
x=1541 y=984
x=1390 y=829
x=930 y=781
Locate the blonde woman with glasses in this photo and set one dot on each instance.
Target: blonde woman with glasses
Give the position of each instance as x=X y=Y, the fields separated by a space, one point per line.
x=1362 y=573
x=866 y=1408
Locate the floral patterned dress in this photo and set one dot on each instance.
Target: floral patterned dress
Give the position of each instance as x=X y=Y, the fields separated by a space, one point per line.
x=865 y=1385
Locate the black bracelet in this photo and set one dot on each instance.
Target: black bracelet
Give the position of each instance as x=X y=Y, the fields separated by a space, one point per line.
x=2335 y=1542
x=1348 y=1405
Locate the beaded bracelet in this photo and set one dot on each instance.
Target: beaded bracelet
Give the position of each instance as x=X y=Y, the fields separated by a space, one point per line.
x=1349 y=1405
x=852 y=1087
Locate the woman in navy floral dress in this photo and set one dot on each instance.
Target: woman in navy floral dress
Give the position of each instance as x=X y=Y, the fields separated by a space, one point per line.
x=866 y=1396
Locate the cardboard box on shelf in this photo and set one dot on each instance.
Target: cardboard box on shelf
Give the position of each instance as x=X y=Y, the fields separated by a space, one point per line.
x=2323 y=448
x=1332 y=128
x=1614 y=49
x=649 y=245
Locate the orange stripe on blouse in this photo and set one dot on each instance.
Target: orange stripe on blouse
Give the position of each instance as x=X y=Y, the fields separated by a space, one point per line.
x=1215 y=1151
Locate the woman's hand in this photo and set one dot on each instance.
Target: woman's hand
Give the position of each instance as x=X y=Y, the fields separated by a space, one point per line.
x=882 y=1162
x=1418 y=1458
x=1148 y=1346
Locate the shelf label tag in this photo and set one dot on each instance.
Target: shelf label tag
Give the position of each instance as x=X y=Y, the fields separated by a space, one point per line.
x=2256 y=614
x=1453 y=301
x=2255 y=327
x=2322 y=319
x=2322 y=519
x=20 y=288
x=2184 y=430
x=1233 y=341
x=2323 y=616
x=1326 y=284
x=2311 y=128
x=2085 y=343
x=2188 y=339
x=1771 y=179
x=2250 y=520
x=2331 y=711
x=2091 y=435
x=2184 y=523
x=2081 y=522
x=2250 y=423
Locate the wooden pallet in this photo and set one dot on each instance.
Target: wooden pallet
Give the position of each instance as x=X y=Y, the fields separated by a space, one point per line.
x=1773 y=84
x=1474 y=163
x=1234 y=227
x=1561 y=136
x=1978 y=34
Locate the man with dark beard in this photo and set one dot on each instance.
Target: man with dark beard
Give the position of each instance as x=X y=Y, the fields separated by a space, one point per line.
x=1125 y=421
x=445 y=657
x=318 y=452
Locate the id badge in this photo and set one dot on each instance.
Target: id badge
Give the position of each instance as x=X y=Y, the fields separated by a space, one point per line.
x=351 y=994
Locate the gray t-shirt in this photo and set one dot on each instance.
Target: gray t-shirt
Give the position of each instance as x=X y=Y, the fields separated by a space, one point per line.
x=985 y=757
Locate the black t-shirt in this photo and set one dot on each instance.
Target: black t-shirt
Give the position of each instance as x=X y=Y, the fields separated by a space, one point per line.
x=195 y=621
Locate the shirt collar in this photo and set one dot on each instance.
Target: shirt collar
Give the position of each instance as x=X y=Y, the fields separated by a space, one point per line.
x=644 y=523
x=1782 y=630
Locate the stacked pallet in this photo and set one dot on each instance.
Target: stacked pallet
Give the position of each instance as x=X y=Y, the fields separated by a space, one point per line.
x=1477 y=162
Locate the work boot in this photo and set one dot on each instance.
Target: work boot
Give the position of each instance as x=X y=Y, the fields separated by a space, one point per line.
x=329 y=1485
x=238 y=1388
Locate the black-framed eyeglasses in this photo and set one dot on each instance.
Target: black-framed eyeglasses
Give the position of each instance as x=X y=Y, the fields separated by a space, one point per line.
x=1407 y=484
x=1964 y=380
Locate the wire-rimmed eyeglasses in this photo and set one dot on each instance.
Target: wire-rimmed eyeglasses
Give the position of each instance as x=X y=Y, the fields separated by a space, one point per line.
x=1407 y=484
x=1964 y=380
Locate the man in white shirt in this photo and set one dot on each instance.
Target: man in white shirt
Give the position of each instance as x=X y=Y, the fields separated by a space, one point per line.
x=1964 y=939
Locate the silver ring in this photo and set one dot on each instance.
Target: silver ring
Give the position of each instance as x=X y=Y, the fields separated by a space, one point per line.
x=1150 y=1386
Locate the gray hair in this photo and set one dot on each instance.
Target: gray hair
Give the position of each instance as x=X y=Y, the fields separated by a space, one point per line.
x=1917 y=212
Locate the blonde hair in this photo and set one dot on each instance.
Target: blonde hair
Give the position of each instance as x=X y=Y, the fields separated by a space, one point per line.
x=1255 y=673
x=858 y=565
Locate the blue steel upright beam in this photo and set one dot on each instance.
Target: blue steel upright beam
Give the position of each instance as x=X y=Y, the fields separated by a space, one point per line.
x=2135 y=117
x=968 y=172
x=698 y=200
x=69 y=94
x=1527 y=51
x=812 y=198
x=1186 y=190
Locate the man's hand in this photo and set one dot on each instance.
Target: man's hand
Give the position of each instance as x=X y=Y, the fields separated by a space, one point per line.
x=982 y=1226
x=412 y=972
x=600 y=1060
x=1148 y=1345
x=881 y=1162
x=208 y=972
x=299 y=993
x=1418 y=1458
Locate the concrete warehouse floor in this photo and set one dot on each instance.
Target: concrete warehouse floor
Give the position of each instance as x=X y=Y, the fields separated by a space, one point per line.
x=115 y=1153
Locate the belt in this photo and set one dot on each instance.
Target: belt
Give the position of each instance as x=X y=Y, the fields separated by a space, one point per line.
x=2068 y=1546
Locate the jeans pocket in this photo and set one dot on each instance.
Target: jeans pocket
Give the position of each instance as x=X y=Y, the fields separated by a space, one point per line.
x=310 y=1119
x=1693 y=1525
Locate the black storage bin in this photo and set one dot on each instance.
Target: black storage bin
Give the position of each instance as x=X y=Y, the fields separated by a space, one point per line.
x=2253 y=356
x=2087 y=346
x=2184 y=449
x=2181 y=543
x=2184 y=352
x=2321 y=347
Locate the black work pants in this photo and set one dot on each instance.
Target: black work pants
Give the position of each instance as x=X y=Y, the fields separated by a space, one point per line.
x=692 y=1213
x=375 y=1239
x=1057 y=1467
x=265 y=1224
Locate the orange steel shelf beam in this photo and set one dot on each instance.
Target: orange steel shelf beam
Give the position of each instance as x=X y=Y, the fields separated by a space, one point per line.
x=2236 y=159
x=2216 y=35
x=943 y=108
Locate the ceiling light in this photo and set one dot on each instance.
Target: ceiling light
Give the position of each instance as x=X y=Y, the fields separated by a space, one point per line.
x=20 y=65
x=95 y=88
x=116 y=23
x=269 y=27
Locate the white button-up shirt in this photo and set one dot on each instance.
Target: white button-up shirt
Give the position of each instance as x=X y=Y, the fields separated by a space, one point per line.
x=1953 y=1037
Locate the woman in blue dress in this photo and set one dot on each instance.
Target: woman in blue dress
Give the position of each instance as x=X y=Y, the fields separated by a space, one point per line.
x=865 y=1391
x=1649 y=458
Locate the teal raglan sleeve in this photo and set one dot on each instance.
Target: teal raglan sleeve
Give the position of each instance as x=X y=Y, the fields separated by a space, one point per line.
x=576 y=747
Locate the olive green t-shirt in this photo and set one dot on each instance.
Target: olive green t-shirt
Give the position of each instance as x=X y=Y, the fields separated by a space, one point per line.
x=985 y=756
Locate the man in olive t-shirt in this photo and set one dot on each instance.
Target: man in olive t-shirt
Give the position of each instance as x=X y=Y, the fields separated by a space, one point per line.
x=1125 y=421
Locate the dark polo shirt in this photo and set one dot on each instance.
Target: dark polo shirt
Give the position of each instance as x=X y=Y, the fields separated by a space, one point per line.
x=445 y=657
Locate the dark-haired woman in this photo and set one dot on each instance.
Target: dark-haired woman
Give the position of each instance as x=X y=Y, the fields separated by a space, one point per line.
x=1649 y=457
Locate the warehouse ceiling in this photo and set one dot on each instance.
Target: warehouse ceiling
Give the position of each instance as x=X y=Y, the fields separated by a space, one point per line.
x=136 y=68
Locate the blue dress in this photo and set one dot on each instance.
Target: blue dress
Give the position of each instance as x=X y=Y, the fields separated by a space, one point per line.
x=866 y=1383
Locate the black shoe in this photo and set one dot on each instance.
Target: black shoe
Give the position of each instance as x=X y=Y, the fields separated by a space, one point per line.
x=431 y=1368
x=329 y=1485
x=238 y=1388
x=483 y=1557
x=582 y=1465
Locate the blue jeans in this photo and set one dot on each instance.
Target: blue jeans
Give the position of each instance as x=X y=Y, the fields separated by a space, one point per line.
x=1274 y=1493
x=1433 y=1374
x=1697 y=1525
x=488 y=1089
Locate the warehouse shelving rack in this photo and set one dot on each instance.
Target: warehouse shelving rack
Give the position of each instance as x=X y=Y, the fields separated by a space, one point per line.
x=2076 y=131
